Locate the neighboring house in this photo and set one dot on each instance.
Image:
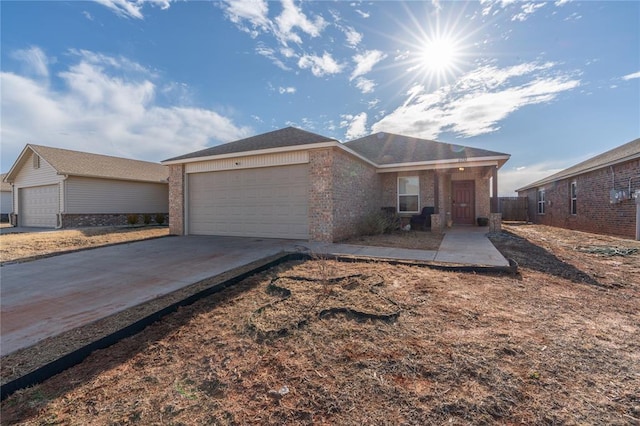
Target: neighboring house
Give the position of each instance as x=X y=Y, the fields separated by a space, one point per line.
x=6 y=206
x=59 y=188
x=290 y=183
x=599 y=195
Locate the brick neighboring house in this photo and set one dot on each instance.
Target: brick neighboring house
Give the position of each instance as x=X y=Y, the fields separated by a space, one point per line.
x=596 y=195
x=60 y=188
x=290 y=183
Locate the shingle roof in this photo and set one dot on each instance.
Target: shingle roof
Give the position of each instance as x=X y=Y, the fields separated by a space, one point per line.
x=76 y=163
x=387 y=148
x=626 y=152
x=289 y=136
x=4 y=186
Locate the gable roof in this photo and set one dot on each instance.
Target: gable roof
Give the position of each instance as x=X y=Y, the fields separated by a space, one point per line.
x=388 y=148
x=289 y=136
x=627 y=152
x=77 y=163
x=4 y=186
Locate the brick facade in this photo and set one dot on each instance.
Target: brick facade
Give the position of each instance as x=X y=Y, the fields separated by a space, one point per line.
x=116 y=219
x=595 y=213
x=176 y=199
x=343 y=190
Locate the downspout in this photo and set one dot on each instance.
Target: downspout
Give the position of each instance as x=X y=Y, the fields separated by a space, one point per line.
x=64 y=200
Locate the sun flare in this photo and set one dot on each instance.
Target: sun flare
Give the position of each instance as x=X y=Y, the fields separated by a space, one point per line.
x=439 y=54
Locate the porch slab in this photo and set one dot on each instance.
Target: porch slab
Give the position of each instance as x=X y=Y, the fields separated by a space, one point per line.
x=469 y=245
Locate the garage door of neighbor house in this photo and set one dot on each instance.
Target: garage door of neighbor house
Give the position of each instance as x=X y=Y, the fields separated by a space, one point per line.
x=39 y=206
x=269 y=202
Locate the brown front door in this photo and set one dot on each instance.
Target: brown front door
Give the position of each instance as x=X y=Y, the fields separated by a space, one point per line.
x=463 y=202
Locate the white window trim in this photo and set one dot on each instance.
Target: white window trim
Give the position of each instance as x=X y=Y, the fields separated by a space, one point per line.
x=541 y=202
x=573 y=198
x=410 y=195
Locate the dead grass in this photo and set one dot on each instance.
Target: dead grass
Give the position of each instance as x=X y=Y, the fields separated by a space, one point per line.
x=557 y=345
x=419 y=240
x=19 y=246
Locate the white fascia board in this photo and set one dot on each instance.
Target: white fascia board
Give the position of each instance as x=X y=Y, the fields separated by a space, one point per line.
x=443 y=164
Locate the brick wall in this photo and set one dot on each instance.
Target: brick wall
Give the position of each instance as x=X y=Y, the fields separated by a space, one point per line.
x=320 y=199
x=176 y=199
x=115 y=219
x=343 y=189
x=356 y=193
x=595 y=213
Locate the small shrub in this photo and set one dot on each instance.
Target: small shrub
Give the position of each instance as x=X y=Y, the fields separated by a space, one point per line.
x=378 y=223
x=132 y=219
x=146 y=219
x=159 y=218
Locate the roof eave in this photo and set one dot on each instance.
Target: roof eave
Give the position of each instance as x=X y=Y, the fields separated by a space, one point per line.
x=17 y=165
x=498 y=161
x=253 y=152
x=560 y=176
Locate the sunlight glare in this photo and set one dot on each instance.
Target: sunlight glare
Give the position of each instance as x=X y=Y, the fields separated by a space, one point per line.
x=439 y=54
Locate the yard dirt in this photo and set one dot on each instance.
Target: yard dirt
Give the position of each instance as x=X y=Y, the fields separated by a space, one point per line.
x=34 y=245
x=328 y=342
x=419 y=240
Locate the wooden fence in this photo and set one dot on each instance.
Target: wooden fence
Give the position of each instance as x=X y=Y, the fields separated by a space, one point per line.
x=514 y=208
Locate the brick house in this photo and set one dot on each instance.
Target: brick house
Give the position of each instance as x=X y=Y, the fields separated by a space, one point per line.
x=61 y=188
x=599 y=195
x=290 y=183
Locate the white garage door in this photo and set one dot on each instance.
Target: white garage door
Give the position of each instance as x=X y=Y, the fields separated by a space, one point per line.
x=39 y=206
x=267 y=202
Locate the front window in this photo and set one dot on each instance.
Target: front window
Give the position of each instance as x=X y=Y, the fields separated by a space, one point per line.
x=408 y=194
x=574 y=198
x=540 y=201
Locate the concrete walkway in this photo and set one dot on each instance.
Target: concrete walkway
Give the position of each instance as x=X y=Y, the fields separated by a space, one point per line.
x=46 y=297
x=460 y=246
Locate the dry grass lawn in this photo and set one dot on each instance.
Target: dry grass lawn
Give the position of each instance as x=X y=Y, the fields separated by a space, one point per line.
x=327 y=342
x=20 y=246
x=419 y=240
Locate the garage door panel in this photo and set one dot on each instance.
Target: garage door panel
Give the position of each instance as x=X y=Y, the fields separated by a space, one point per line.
x=264 y=202
x=39 y=206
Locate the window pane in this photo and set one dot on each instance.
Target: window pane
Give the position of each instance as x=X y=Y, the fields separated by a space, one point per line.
x=408 y=185
x=408 y=203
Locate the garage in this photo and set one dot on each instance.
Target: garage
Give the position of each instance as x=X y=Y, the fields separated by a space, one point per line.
x=270 y=202
x=39 y=206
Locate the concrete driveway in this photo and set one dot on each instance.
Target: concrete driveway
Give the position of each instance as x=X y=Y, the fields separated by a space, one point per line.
x=46 y=297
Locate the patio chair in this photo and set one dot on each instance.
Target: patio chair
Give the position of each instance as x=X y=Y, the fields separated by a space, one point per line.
x=422 y=220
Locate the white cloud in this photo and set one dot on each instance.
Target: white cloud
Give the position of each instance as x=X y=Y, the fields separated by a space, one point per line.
x=510 y=179
x=270 y=53
x=132 y=8
x=87 y=15
x=365 y=15
x=34 y=59
x=477 y=103
x=95 y=111
x=286 y=90
x=253 y=11
x=561 y=2
x=527 y=9
x=365 y=85
x=292 y=18
x=353 y=37
x=366 y=61
x=356 y=125
x=631 y=76
x=320 y=65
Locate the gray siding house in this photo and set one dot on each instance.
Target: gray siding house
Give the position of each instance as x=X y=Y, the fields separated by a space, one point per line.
x=60 y=188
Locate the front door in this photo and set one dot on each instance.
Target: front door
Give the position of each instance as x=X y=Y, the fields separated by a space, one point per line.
x=463 y=202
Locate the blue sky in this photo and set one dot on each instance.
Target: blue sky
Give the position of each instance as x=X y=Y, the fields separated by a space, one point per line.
x=551 y=83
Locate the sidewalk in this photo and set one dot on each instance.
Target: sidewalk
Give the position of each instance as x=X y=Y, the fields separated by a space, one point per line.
x=461 y=245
